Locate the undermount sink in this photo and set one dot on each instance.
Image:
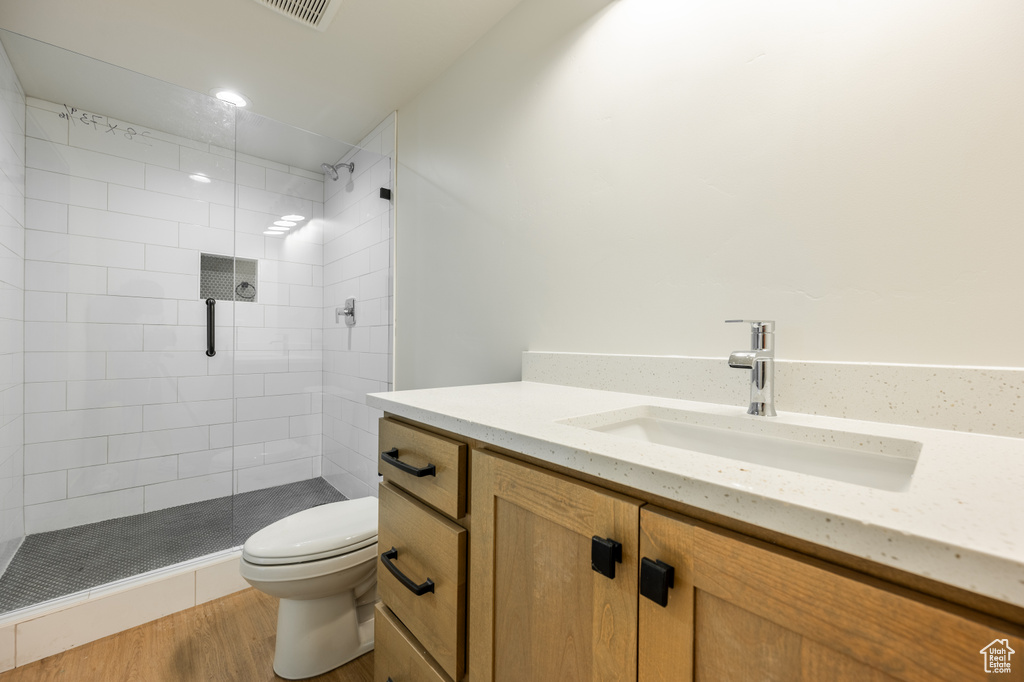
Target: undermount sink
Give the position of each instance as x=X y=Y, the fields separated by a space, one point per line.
x=873 y=461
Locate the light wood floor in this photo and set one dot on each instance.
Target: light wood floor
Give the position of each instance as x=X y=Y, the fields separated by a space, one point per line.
x=228 y=639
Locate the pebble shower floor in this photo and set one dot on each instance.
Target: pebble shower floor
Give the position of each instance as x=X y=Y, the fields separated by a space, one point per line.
x=62 y=562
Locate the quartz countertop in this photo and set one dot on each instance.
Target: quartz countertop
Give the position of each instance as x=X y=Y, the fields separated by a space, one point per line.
x=960 y=522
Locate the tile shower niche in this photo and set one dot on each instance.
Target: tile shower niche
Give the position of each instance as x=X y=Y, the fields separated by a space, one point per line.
x=227 y=279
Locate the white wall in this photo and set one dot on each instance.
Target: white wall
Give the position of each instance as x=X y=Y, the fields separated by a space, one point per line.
x=357 y=359
x=124 y=411
x=12 y=278
x=622 y=177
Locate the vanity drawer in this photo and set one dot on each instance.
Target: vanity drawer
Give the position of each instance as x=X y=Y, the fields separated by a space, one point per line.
x=420 y=545
x=397 y=654
x=407 y=450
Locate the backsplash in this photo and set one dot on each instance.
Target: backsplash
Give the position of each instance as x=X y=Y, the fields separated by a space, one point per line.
x=972 y=399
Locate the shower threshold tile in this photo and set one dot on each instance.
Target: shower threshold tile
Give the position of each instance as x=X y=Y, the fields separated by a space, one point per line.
x=63 y=562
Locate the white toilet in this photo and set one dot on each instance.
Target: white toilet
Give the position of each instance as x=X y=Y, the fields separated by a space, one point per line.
x=322 y=564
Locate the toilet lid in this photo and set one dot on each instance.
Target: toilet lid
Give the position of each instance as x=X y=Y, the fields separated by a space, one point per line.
x=316 y=533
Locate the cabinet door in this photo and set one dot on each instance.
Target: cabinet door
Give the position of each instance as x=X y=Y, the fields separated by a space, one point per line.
x=740 y=609
x=538 y=610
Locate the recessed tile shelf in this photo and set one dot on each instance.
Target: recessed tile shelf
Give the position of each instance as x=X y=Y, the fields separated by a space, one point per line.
x=226 y=278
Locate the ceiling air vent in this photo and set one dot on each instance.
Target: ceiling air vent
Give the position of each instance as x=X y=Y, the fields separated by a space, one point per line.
x=313 y=13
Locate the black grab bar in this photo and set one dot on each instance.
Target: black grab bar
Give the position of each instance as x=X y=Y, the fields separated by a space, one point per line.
x=210 y=350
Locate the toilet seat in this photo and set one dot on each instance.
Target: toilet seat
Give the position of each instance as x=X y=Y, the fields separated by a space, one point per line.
x=324 y=532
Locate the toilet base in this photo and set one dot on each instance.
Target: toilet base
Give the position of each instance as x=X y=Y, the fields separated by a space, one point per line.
x=318 y=635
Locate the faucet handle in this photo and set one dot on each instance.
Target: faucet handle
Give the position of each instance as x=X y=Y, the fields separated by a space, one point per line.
x=762 y=326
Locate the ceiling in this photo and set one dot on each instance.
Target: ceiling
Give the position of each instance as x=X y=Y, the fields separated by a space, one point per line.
x=374 y=57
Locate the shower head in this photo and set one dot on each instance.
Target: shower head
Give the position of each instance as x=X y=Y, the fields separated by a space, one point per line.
x=333 y=170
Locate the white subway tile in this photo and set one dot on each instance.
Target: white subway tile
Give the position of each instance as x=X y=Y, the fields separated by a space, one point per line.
x=305 y=425
x=205 y=388
x=253 y=339
x=247 y=433
x=152 y=284
x=211 y=165
x=248 y=385
x=250 y=314
x=293 y=316
x=40 y=518
x=77 y=336
x=155 y=364
x=147 y=146
x=293 y=382
x=286 y=273
x=47 y=216
x=305 y=361
x=63 y=366
x=47 y=426
x=40 y=184
x=49 y=396
x=249 y=245
x=251 y=175
x=221 y=435
x=298 y=447
x=248 y=409
x=380 y=339
x=157 y=443
x=295 y=186
x=245 y=456
x=120 y=392
x=294 y=251
x=179 y=184
x=108 y=477
x=192 y=464
x=83 y=279
x=82 y=163
x=222 y=217
x=90 y=222
x=188 y=490
x=47 y=246
x=45 y=125
x=64 y=454
x=183 y=415
x=122 y=309
x=179 y=338
x=157 y=205
x=45 y=306
x=169 y=259
x=206 y=239
x=257 y=478
x=46 y=487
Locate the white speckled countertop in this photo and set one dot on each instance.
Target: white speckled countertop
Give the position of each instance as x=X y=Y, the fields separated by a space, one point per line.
x=961 y=521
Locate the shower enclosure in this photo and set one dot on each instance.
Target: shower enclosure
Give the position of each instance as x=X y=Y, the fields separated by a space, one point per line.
x=173 y=372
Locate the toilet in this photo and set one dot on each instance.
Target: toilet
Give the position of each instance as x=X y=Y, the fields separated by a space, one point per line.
x=322 y=564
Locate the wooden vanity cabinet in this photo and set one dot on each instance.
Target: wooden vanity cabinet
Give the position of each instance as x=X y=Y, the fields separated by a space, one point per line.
x=738 y=609
x=421 y=576
x=688 y=600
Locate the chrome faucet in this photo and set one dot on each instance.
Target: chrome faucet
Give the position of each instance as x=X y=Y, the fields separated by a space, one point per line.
x=760 y=360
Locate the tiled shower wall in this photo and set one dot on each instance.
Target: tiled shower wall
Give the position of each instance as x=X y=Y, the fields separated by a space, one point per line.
x=357 y=360
x=12 y=274
x=124 y=411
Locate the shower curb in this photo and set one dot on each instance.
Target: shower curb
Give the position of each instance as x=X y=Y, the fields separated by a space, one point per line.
x=34 y=633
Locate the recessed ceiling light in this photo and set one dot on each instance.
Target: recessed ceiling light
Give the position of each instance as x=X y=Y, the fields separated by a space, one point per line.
x=284 y=223
x=199 y=177
x=230 y=96
x=293 y=217
x=273 y=233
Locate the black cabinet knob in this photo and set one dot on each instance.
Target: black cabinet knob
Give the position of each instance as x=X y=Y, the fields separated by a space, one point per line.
x=656 y=578
x=604 y=554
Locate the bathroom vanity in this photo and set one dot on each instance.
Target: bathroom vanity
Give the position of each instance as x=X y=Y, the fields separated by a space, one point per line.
x=560 y=546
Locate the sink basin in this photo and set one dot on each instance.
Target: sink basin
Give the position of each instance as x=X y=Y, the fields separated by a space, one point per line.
x=873 y=461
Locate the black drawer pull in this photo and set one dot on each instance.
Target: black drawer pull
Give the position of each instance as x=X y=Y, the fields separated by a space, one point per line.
x=387 y=557
x=656 y=578
x=391 y=457
x=604 y=554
